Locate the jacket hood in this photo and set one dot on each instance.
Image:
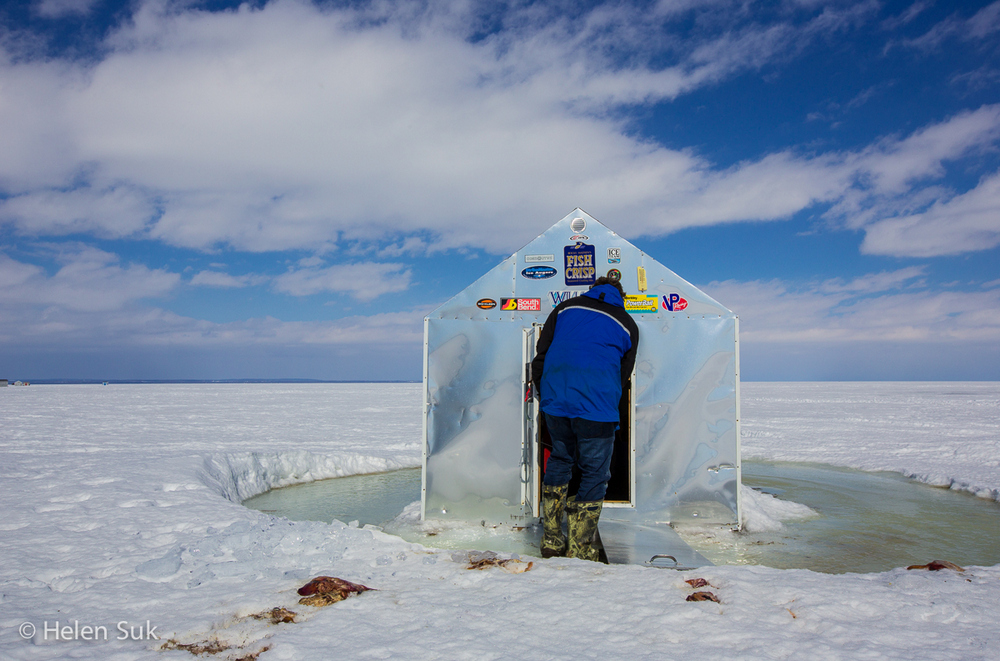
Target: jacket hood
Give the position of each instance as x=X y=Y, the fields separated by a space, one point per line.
x=610 y=292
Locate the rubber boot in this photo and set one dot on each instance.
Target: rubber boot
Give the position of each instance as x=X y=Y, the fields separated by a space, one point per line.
x=553 y=505
x=583 y=517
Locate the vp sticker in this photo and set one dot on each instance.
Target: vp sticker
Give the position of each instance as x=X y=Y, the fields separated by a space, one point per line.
x=486 y=304
x=674 y=302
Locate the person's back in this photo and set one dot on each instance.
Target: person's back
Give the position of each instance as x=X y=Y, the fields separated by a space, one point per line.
x=584 y=357
x=583 y=364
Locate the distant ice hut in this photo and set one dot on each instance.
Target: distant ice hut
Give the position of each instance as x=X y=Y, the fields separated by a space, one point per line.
x=677 y=453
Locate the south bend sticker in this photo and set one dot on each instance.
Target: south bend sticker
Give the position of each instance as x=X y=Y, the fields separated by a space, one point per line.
x=641 y=303
x=674 y=302
x=521 y=304
x=578 y=260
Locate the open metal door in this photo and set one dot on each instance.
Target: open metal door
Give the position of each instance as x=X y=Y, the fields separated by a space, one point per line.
x=530 y=478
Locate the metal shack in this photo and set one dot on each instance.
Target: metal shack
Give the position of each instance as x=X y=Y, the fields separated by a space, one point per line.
x=677 y=452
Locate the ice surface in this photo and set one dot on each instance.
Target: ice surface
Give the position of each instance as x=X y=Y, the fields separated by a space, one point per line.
x=121 y=504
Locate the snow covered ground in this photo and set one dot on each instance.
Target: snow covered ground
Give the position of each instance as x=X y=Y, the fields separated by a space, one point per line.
x=119 y=511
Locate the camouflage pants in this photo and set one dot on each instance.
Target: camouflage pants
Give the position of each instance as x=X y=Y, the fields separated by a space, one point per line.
x=553 y=505
x=583 y=518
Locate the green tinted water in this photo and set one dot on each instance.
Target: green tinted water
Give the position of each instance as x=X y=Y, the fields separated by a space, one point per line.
x=865 y=522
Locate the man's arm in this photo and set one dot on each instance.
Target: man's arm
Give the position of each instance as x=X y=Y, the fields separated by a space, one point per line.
x=541 y=348
x=628 y=360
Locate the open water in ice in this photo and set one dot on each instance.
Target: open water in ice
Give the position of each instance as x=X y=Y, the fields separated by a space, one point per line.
x=865 y=522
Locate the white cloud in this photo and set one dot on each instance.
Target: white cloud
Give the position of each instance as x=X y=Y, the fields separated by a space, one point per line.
x=114 y=212
x=148 y=328
x=873 y=282
x=981 y=25
x=296 y=127
x=60 y=8
x=291 y=126
x=89 y=280
x=93 y=301
x=363 y=281
x=225 y=280
x=893 y=165
x=880 y=307
x=963 y=223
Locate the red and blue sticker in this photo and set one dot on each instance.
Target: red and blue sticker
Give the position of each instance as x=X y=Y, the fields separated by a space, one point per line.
x=674 y=303
x=521 y=304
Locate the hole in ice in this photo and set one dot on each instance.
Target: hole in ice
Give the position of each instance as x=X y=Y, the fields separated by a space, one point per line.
x=864 y=522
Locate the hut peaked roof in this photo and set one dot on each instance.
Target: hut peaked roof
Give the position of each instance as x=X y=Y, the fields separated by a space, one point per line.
x=611 y=251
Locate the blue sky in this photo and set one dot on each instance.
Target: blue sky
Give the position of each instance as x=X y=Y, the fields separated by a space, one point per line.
x=209 y=190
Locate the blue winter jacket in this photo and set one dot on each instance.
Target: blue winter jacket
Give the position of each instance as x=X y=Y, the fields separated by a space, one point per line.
x=585 y=355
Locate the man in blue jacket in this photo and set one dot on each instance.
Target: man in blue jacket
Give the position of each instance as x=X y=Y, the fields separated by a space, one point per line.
x=584 y=358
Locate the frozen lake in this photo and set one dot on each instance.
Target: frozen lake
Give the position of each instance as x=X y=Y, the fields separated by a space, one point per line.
x=122 y=504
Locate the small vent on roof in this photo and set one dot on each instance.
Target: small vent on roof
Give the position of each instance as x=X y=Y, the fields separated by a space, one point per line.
x=578 y=225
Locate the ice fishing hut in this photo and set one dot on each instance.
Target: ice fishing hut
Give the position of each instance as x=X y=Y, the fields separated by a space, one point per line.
x=677 y=453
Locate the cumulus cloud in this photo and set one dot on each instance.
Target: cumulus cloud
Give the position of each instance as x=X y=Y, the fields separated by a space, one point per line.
x=225 y=280
x=873 y=282
x=882 y=307
x=62 y=327
x=894 y=195
x=113 y=212
x=60 y=8
x=950 y=226
x=88 y=280
x=92 y=300
x=291 y=126
x=364 y=280
x=980 y=25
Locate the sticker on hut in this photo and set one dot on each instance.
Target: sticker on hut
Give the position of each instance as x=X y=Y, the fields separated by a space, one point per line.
x=521 y=304
x=579 y=262
x=534 y=259
x=641 y=303
x=614 y=255
x=538 y=272
x=674 y=302
x=486 y=304
x=561 y=296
